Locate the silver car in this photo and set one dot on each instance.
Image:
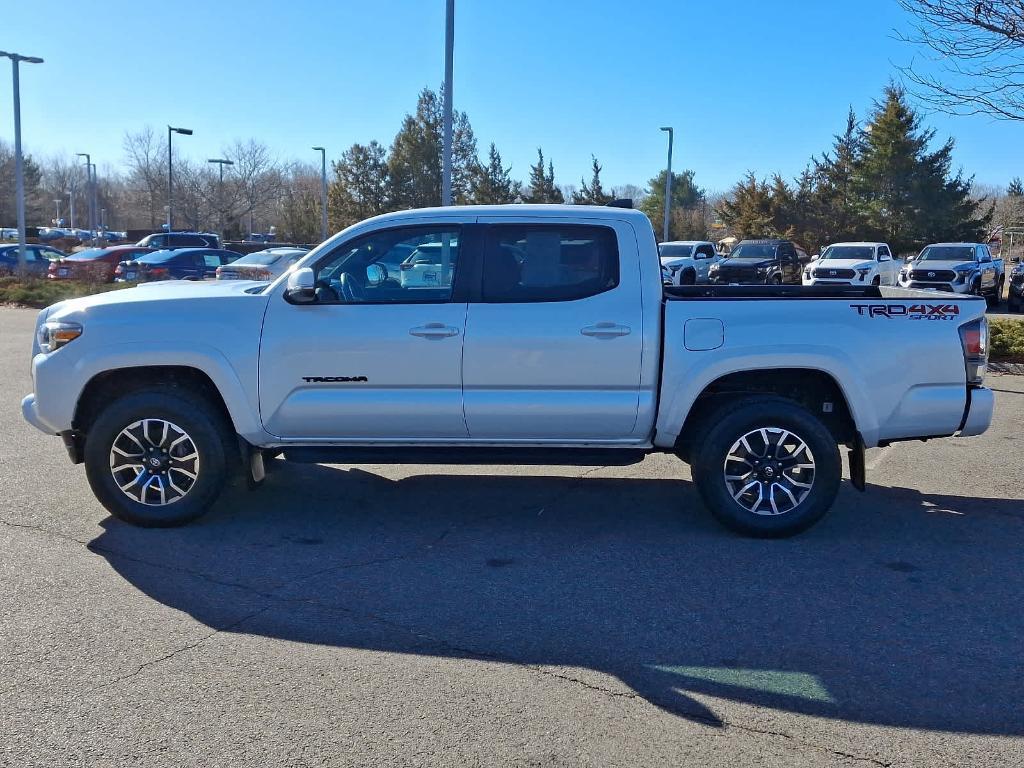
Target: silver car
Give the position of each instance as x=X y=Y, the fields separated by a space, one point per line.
x=262 y=265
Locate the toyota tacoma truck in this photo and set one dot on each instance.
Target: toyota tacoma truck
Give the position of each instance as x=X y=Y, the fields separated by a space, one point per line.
x=688 y=261
x=544 y=335
x=853 y=264
x=957 y=268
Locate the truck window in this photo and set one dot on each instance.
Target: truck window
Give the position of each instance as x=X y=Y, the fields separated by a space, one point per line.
x=403 y=265
x=553 y=262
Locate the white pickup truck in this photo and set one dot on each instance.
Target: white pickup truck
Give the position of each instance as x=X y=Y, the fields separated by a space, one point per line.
x=547 y=335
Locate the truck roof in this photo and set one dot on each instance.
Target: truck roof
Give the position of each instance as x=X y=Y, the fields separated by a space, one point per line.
x=517 y=210
x=860 y=242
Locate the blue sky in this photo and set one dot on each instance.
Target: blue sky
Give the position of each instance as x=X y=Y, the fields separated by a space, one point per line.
x=747 y=84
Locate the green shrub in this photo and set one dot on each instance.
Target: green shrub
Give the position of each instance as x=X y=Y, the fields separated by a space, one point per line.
x=38 y=293
x=1007 y=339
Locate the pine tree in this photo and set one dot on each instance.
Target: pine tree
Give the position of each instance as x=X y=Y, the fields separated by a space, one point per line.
x=1016 y=188
x=686 y=196
x=907 y=195
x=542 y=188
x=747 y=211
x=361 y=184
x=414 y=163
x=491 y=183
x=593 y=193
x=834 y=198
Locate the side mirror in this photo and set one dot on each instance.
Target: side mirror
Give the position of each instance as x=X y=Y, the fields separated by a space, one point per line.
x=300 y=288
x=815 y=257
x=376 y=274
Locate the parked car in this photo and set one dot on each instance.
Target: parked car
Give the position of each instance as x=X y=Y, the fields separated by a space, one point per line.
x=37 y=259
x=1015 y=296
x=957 y=268
x=95 y=264
x=759 y=262
x=853 y=264
x=174 y=264
x=688 y=261
x=262 y=265
x=552 y=333
x=180 y=240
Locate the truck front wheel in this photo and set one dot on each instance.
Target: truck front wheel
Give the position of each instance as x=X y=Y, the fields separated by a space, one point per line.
x=768 y=468
x=157 y=457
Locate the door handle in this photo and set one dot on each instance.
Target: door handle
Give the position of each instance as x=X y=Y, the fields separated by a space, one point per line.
x=434 y=331
x=606 y=330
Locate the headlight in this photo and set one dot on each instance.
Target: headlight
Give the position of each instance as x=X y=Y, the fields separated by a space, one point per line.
x=963 y=273
x=862 y=272
x=54 y=335
x=763 y=269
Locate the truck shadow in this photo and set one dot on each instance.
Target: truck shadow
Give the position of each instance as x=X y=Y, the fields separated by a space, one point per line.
x=899 y=609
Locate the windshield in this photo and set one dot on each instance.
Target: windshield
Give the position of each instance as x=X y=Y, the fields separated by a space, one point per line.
x=158 y=257
x=859 y=252
x=947 y=253
x=258 y=259
x=89 y=255
x=753 y=251
x=674 y=251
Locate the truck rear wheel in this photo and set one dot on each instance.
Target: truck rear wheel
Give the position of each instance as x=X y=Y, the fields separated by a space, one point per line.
x=157 y=458
x=768 y=468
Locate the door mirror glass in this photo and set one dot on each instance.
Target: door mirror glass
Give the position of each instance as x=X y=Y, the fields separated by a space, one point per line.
x=300 y=288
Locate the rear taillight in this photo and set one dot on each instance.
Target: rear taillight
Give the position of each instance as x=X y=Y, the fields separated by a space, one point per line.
x=218 y=273
x=974 y=339
x=52 y=268
x=119 y=269
x=157 y=271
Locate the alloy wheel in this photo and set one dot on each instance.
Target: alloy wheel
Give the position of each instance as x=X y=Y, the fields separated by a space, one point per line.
x=769 y=471
x=154 y=462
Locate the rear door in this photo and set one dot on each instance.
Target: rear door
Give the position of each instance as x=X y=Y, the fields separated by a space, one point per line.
x=554 y=339
x=704 y=257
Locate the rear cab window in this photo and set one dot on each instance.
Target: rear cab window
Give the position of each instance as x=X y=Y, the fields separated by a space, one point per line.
x=548 y=262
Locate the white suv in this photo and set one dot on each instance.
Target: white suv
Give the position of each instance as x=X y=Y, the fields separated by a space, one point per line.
x=688 y=261
x=853 y=264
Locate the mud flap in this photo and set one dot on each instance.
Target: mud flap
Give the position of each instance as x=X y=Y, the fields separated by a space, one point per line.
x=858 y=465
x=252 y=464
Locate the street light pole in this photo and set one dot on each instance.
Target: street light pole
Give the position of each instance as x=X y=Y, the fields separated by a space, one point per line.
x=668 y=187
x=93 y=205
x=71 y=203
x=56 y=221
x=19 y=170
x=170 y=174
x=88 y=186
x=220 y=191
x=323 y=192
x=449 y=55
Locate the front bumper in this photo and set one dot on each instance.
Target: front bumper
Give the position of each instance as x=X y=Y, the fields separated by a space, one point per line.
x=830 y=281
x=944 y=287
x=30 y=412
x=978 y=414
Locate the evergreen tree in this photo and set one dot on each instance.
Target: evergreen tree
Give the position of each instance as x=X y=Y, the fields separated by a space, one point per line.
x=747 y=211
x=907 y=196
x=593 y=193
x=491 y=183
x=361 y=186
x=542 y=187
x=686 y=197
x=834 y=198
x=1016 y=188
x=414 y=164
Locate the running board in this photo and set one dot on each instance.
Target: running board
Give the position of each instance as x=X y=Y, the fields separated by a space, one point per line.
x=576 y=457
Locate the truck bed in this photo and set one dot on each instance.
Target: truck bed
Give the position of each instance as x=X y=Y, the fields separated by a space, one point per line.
x=726 y=292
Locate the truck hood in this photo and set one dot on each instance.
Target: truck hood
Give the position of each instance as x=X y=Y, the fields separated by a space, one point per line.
x=160 y=294
x=747 y=263
x=842 y=264
x=926 y=265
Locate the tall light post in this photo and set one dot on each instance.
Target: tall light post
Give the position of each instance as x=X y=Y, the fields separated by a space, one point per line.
x=220 y=191
x=449 y=56
x=71 y=203
x=170 y=173
x=88 y=186
x=668 y=186
x=323 y=192
x=93 y=205
x=19 y=170
x=56 y=221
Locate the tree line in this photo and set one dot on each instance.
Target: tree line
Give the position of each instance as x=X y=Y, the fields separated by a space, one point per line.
x=879 y=181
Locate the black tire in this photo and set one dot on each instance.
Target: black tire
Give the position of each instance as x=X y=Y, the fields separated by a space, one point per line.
x=688 y=277
x=204 y=426
x=752 y=414
x=777 y=280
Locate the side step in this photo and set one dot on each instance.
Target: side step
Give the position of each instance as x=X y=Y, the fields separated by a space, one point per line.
x=576 y=457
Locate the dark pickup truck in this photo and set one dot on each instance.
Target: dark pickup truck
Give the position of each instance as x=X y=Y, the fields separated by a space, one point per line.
x=760 y=262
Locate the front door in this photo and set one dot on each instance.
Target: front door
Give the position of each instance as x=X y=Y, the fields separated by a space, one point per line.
x=378 y=356
x=553 y=348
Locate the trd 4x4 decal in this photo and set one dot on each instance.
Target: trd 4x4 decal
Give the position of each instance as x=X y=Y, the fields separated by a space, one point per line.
x=913 y=312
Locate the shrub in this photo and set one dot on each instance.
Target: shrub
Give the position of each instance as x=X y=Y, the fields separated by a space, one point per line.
x=1007 y=339
x=39 y=293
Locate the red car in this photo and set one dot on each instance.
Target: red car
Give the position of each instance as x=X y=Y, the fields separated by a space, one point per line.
x=95 y=265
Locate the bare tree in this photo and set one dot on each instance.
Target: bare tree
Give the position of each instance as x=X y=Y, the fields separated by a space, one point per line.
x=975 y=55
x=146 y=160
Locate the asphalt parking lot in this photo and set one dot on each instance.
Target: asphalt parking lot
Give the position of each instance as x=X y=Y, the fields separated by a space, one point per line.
x=419 y=615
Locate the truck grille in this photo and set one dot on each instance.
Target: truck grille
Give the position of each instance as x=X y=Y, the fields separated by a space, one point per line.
x=837 y=274
x=737 y=275
x=933 y=275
